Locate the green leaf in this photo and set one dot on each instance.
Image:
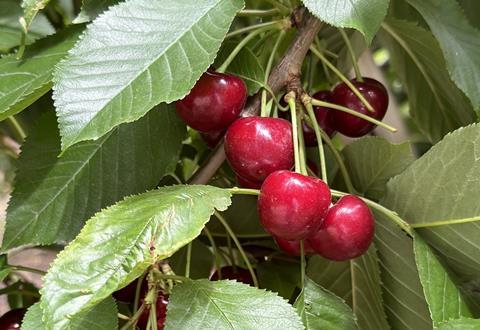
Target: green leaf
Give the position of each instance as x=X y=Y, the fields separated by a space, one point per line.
x=321 y=309
x=279 y=276
x=365 y=16
x=372 y=161
x=101 y=317
x=11 y=29
x=444 y=185
x=245 y=65
x=436 y=104
x=200 y=264
x=203 y=304
x=92 y=8
x=54 y=196
x=121 y=68
x=119 y=243
x=23 y=81
x=460 y=43
x=464 y=324
x=444 y=299
x=30 y=10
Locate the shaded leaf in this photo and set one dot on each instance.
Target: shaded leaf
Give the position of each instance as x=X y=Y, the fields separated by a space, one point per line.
x=279 y=276
x=119 y=243
x=54 y=196
x=321 y=309
x=444 y=299
x=460 y=43
x=365 y=16
x=23 y=81
x=464 y=324
x=92 y=8
x=121 y=67
x=30 y=10
x=101 y=317
x=204 y=304
x=201 y=261
x=437 y=106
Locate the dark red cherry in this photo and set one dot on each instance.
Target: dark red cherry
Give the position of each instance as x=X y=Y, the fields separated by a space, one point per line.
x=127 y=294
x=161 y=307
x=292 y=206
x=229 y=273
x=347 y=230
x=293 y=247
x=211 y=139
x=214 y=102
x=323 y=114
x=12 y=319
x=373 y=91
x=245 y=183
x=257 y=146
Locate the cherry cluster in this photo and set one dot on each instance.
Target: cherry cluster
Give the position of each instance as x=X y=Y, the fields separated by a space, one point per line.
x=292 y=207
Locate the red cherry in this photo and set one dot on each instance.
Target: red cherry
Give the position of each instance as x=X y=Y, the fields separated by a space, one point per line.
x=228 y=273
x=347 y=230
x=374 y=92
x=308 y=133
x=211 y=139
x=214 y=102
x=161 y=307
x=12 y=319
x=323 y=114
x=293 y=247
x=127 y=294
x=291 y=205
x=245 y=183
x=256 y=147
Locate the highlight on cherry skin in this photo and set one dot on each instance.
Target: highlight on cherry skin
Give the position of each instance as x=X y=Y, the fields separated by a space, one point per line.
x=373 y=91
x=214 y=103
x=257 y=146
x=292 y=206
x=12 y=319
x=346 y=232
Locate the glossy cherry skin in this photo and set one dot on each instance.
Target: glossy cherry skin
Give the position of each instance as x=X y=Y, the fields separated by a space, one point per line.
x=346 y=232
x=12 y=319
x=245 y=183
x=211 y=139
x=161 y=306
x=228 y=273
x=323 y=114
x=214 y=102
x=292 y=206
x=373 y=91
x=293 y=247
x=256 y=147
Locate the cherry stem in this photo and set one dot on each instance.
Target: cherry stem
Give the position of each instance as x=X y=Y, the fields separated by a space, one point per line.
x=445 y=222
x=352 y=55
x=391 y=215
x=263 y=104
x=281 y=7
x=302 y=263
x=258 y=12
x=122 y=317
x=152 y=316
x=268 y=69
x=301 y=144
x=290 y=98
x=317 y=129
x=244 y=191
x=239 y=246
x=230 y=252
x=216 y=256
x=159 y=275
x=134 y=318
x=27 y=269
x=17 y=127
x=189 y=260
x=138 y=289
x=354 y=113
x=251 y=28
x=342 y=78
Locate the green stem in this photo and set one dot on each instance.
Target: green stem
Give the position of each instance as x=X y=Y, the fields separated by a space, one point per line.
x=352 y=55
x=27 y=269
x=263 y=104
x=271 y=58
x=153 y=315
x=134 y=318
x=216 y=257
x=445 y=222
x=302 y=263
x=301 y=144
x=252 y=28
x=18 y=127
x=342 y=78
x=122 y=317
x=22 y=293
x=391 y=215
x=317 y=129
x=189 y=260
x=239 y=246
x=243 y=236
x=138 y=290
x=292 y=105
x=244 y=191
x=159 y=274
x=354 y=113
x=258 y=12
x=282 y=8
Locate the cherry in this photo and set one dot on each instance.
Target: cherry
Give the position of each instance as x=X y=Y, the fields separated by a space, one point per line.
x=127 y=294
x=293 y=247
x=373 y=91
x=214 y=102
x=229 y=273
x=308 y=133
x=211 y=139
x=323 y=114
x=257 y=146
x=12 y=319
x=245 y=183
x=161 y=307
x=346 y=232
x=291 y=205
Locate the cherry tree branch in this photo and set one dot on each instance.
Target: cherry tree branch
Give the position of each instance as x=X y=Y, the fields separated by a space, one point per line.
x=286 y=73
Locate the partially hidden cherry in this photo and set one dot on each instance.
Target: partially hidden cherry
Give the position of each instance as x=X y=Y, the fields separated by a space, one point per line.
x=256 y=147
x=293 y=247
x=229 y=273
x=346 y=232
x=161 y=307
x=12 y=319
x=292 y=206
x=127 y=294
x=324 y=114
x=373 y=91
x=245 y=183
x=211 y=139
x=214 y=102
